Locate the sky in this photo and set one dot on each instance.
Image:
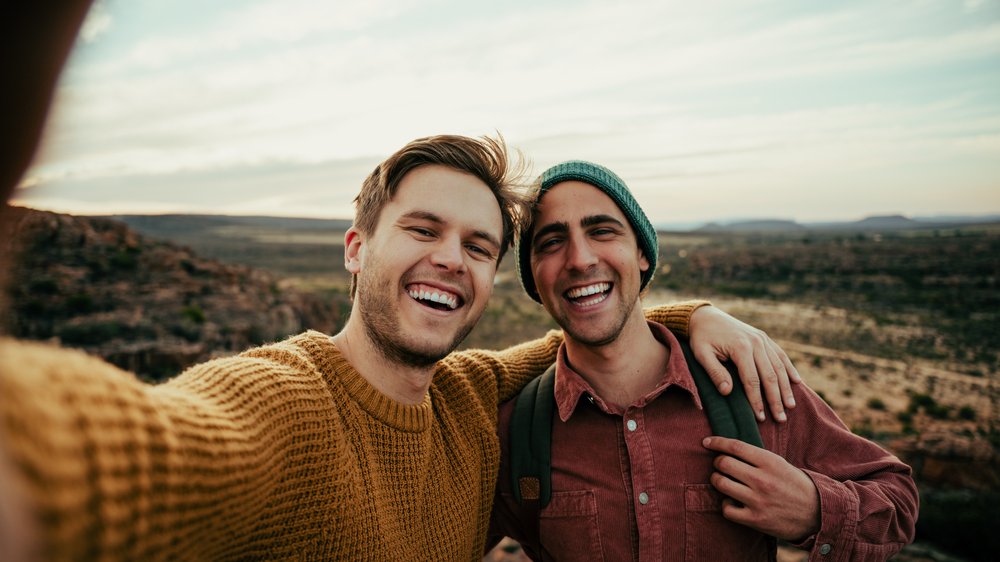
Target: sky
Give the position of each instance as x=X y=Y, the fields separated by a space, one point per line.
x=710 y=110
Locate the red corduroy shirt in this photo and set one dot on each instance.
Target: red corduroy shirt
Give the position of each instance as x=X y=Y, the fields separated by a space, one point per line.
x=633 y=484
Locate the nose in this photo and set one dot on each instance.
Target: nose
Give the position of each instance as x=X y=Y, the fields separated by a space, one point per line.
x=580 y=256
x=448 y=254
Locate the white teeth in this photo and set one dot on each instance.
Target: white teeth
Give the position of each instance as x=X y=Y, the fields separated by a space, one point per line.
x=588 y=290
x=447 y=300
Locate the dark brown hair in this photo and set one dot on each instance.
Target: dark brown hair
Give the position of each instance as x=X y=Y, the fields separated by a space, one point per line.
x=485 y=158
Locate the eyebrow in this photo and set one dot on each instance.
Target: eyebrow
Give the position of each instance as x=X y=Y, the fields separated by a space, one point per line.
x=552 y=227
x=431 y=217
x=600 y=219
x=562 y=227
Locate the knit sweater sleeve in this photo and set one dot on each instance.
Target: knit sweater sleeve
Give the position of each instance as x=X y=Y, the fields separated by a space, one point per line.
x=116 y=469
x=499 y=375
x=675 y=316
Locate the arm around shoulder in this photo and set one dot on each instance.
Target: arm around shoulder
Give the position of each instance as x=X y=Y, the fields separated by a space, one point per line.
x=506 y=372
x=675 y=316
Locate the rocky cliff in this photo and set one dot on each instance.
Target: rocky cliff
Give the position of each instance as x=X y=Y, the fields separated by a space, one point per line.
x=148 y=306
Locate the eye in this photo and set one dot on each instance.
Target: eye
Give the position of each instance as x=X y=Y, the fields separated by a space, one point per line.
x=421 y=231
x=547 y=244
x=479 y=251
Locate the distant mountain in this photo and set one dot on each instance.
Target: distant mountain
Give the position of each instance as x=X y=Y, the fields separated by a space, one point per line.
x=880 y=222
x=887 y=222
x=765 y=225
x=959 y=219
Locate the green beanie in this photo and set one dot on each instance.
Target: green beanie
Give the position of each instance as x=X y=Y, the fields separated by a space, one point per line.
x=612 y=186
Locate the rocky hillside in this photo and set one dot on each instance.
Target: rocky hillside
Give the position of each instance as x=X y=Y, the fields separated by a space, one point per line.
x=148 y=306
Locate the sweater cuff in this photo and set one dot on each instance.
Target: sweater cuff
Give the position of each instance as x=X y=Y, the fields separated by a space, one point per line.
x=675 y=316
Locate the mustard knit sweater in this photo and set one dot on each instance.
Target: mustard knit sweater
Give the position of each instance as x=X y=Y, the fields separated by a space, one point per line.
x=283 y=452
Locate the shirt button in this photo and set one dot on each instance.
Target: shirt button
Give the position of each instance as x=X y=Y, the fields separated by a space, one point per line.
x=825 y=549
x=631 y=425
x=644 y=499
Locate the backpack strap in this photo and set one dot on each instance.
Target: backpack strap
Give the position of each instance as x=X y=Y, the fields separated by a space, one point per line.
x=531 y=449
x=731 y=415
x=531 y=440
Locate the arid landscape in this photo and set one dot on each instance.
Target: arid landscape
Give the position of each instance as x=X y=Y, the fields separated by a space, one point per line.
x=896 y=328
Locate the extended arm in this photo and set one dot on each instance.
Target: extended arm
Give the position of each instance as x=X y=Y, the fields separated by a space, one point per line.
x=119 y=470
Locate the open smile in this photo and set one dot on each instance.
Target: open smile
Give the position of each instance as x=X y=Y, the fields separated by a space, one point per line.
x=589 y=295
x=434 y=297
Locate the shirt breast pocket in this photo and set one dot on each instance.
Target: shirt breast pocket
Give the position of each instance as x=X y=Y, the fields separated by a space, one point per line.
x=568 y=527
x=710 y=536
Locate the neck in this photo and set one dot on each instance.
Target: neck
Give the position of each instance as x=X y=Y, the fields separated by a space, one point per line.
x=626 y=369
x=403 y=383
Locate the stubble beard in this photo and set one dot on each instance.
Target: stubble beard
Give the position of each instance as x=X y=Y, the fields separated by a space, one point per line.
x=380 y=318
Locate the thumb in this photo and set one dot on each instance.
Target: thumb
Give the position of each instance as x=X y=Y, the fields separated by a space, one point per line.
x=709 y=360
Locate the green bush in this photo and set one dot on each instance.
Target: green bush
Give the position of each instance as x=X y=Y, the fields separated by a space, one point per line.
x=918 y=401
x=44 y=286
x=93 y=333
x=80 y=303
x=938 y=411
x=194 y=313
x=124 y=259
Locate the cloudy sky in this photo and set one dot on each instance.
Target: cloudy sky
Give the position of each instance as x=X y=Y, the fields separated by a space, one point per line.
x=710 y=110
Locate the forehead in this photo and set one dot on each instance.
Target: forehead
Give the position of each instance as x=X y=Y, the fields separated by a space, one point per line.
x=456 y=197
x=570 y=201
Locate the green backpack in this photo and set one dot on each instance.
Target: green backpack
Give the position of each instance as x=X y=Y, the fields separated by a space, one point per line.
x=531 y=427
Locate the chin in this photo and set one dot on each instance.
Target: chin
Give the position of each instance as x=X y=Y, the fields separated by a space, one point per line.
x=432 y=350
x=592 y=340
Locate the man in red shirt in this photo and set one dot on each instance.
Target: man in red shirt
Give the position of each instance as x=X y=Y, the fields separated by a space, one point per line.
x=634 y=474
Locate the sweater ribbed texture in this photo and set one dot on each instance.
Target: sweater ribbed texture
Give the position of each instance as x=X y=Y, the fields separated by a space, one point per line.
x=283 y=452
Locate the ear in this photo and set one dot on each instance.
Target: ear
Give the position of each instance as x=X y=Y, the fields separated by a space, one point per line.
x=643 y=262
x=353 y=250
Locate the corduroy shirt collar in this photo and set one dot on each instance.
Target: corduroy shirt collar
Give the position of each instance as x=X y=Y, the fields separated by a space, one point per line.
x=570 y=386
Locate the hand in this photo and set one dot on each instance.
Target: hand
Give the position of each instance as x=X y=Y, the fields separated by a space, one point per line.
x=716 y=335
x=764 y=492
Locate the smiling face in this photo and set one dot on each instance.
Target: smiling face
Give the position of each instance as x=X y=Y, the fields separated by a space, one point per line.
x=585 y=262
x=426 y=272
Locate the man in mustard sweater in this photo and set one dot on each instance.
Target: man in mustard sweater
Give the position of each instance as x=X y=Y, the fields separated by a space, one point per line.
x=374 y=444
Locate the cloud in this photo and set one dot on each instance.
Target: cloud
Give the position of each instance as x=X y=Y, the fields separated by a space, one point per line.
x=323 y=189
x=700 y=96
